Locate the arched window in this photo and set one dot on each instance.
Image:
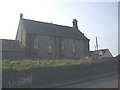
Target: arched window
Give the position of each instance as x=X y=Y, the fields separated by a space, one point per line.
x=50 y=46
x=73 y=47
x=35 y=44
x=62 y=47
x=82 y=46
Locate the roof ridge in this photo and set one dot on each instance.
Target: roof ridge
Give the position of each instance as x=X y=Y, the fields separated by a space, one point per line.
x=47 y=23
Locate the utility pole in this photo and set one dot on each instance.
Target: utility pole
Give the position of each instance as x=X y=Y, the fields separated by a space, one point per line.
x=96 y=47
x=96 y=44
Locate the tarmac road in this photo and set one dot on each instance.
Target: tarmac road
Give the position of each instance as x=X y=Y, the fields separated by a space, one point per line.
x=106 y=82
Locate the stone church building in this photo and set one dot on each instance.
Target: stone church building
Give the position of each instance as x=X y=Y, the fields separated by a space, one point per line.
x=43 y=40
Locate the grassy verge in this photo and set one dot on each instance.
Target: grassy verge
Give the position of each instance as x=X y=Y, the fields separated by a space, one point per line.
x=27 y=64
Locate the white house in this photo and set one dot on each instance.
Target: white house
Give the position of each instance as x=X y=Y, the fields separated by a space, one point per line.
x=101 y=53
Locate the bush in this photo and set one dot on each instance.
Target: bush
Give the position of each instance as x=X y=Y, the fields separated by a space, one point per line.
x=27 y=64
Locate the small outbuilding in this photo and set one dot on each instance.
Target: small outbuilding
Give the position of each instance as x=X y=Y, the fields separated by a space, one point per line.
x=11 y=49
x=101 y=53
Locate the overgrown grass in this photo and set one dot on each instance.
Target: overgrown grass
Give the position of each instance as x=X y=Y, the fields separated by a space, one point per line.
x=27 y=64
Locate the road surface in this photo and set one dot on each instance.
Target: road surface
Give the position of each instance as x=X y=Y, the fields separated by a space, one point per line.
x=106 y=82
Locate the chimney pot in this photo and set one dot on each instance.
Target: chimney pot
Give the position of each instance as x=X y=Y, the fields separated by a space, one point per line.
x=75 y=23
x=21 y=16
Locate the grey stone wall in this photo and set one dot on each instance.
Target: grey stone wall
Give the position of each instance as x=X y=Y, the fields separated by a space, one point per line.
x=38 y=77
x=12 y=55
x=68 y=48
x=0 y=49
x=21 y=34
x=42 y=51
x=0 y=64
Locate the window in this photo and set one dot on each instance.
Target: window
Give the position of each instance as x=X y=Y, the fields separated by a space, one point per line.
x=62 y=47
x=82 y=46
x=73 y=48
x=50 y=46
x=35 y=44
x=21 y=36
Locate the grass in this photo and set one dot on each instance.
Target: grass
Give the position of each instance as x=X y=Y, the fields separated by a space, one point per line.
x=27 y=64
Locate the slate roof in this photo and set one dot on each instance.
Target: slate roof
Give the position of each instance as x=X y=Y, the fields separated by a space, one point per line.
x=11 y=45
x=44 y=28
x=94 y=52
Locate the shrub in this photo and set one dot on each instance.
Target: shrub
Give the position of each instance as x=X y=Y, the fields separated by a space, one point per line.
x=27 y=64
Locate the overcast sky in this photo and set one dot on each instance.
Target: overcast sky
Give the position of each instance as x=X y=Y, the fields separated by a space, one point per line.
x=94 y=18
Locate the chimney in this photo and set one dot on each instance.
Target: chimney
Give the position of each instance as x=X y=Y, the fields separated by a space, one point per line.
x=75 y=23
x=21 y=16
